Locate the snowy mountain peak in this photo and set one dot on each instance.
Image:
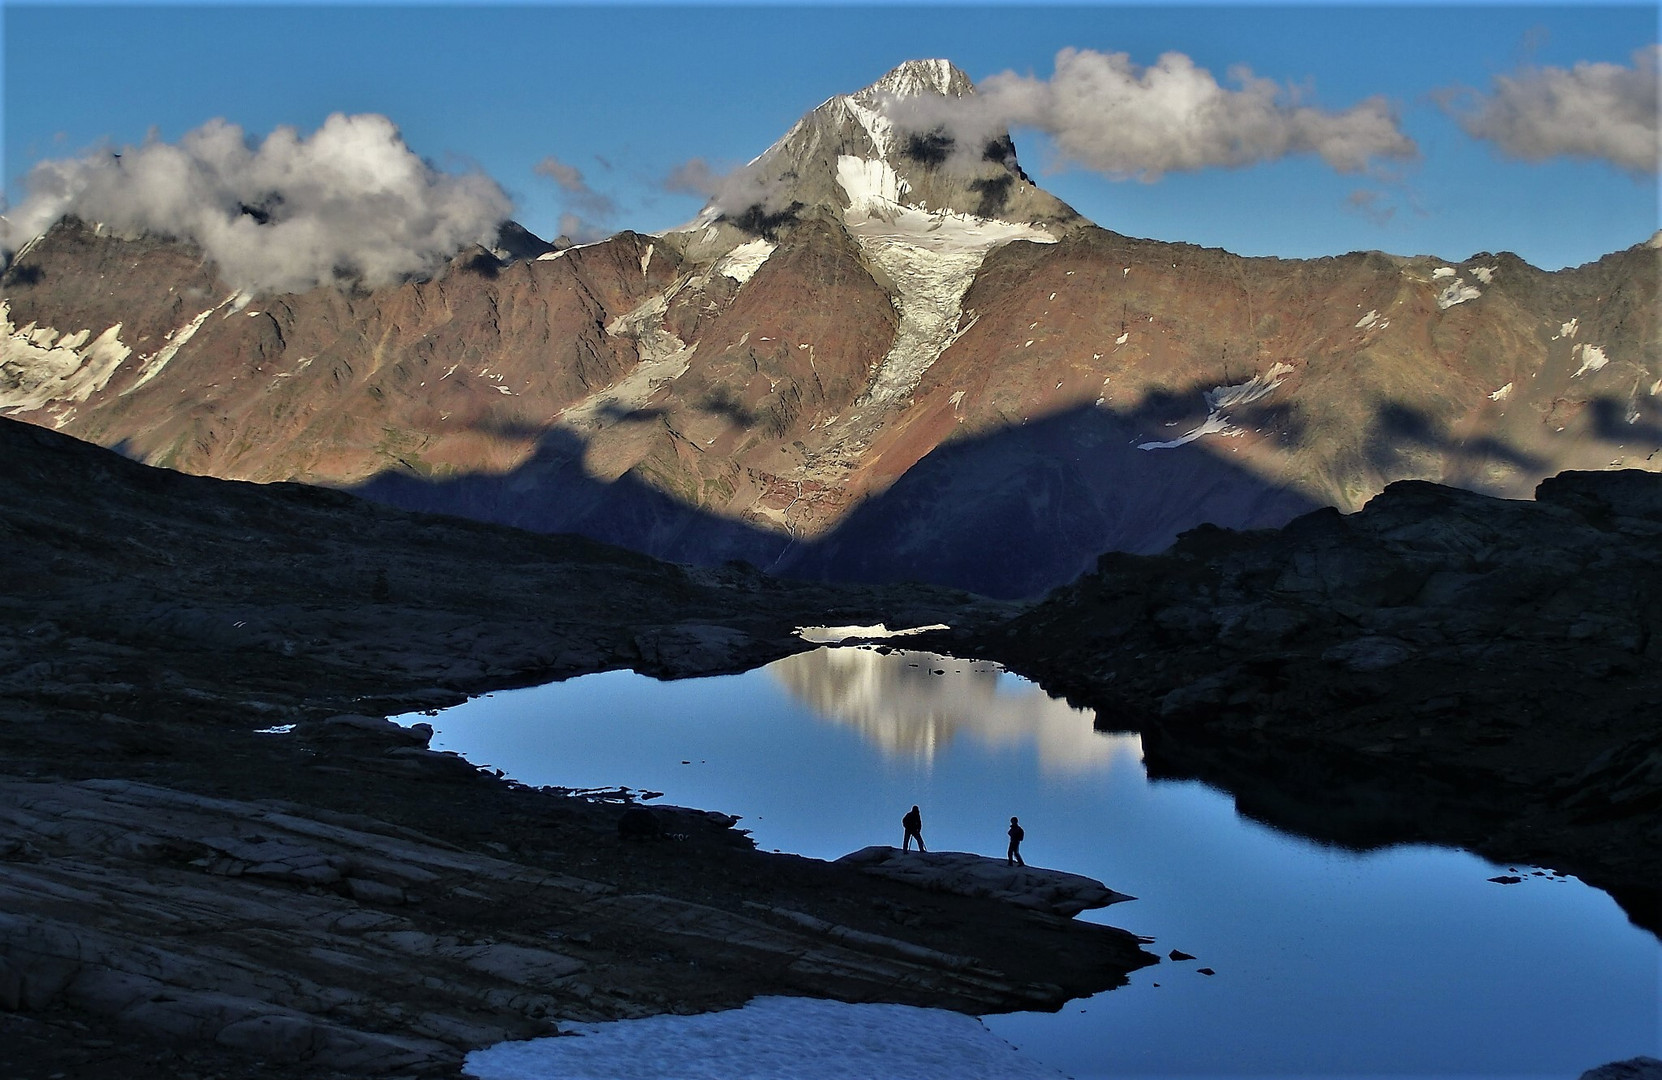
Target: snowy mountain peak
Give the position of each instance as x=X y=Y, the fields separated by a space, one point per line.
x=897 y=144
x=915 y=78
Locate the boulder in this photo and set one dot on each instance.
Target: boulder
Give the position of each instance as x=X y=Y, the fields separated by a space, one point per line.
x=965 y=874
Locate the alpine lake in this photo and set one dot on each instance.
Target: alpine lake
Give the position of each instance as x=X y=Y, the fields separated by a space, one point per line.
x=1402 y=962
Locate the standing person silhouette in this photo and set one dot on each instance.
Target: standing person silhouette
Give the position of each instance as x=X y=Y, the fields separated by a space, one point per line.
x=913 y=824
x=1012 y=857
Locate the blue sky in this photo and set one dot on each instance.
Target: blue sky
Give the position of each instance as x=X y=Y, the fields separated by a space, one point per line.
x=626 y=93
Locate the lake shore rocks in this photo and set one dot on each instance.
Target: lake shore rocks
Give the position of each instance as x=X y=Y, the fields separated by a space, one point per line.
x=1440 y=667
x=962 y=873
x=217 y=857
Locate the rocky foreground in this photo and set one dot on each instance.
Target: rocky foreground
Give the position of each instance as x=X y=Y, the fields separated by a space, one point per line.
x=185 y=894
x=1441 y=667
x=182 y=894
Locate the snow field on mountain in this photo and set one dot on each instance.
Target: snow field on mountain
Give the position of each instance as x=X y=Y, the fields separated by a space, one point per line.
x=742 y=262
x=930 y=258
x=772 y=1038
x=40 y=364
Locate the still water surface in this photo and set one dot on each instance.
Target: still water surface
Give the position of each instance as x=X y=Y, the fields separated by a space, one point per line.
x=1403 y=962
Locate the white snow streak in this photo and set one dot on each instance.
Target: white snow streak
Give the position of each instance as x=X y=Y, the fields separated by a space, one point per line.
x=1592 y=359
x=1568 y=329
x=154 y=363
x=1502 y=394
x=1227 y=397
x=1485 y=274
x=1367 y=320
x=771 y=1038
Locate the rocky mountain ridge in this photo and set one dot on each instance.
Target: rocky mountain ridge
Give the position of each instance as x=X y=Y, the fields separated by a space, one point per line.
x=986 y=394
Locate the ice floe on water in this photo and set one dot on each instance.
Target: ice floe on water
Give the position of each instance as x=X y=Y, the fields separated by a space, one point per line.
x=1592 y=359
x=772 y=1038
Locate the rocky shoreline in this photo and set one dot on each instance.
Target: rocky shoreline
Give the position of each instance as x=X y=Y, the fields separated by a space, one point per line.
x=1440 y=667
x=188 y=893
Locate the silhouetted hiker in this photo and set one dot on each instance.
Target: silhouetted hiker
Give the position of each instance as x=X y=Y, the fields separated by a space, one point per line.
x=913 y=823
x=1013 y=856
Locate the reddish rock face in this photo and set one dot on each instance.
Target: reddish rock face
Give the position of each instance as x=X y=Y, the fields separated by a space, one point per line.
x=870 y=385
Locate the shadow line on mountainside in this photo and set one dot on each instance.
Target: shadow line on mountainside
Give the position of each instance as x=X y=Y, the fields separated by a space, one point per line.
x=1011 y=512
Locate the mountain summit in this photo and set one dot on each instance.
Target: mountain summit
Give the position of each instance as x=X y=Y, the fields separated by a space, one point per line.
x=880 y=353
x=883 y=149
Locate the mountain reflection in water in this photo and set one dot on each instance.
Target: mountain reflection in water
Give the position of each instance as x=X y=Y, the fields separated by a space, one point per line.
x=897 y=702
x=1401 y=962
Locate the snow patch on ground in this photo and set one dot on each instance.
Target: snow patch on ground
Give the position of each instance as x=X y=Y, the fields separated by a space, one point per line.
x=1227 y=397
x=40 y=365
x=773 y=1038
x=1502 y=394
x=1442 y=272
x=1458 y=292
x=1485 y=274
x=1214 y=424
x=1568 y=329
x=1367 y=320
x=742 y=262
x=831 y=635
x=1592 y=359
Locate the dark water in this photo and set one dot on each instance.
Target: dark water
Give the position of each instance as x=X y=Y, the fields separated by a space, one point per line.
x=1405 y=962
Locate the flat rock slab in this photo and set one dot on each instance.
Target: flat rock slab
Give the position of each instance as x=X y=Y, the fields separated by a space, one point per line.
x=965 y=874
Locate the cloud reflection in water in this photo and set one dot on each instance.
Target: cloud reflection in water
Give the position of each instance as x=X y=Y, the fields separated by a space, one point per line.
x=898 y=703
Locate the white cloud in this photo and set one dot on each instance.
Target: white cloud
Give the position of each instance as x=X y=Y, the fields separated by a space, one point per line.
x=1111 y=115
x=1601 y=111
x=350 y=200
x=587 y=210
x=695 y=176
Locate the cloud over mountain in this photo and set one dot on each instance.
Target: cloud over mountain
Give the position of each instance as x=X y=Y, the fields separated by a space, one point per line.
x=1602 y=111
x=587 y=210
x=1115 y=117
x=351 y=201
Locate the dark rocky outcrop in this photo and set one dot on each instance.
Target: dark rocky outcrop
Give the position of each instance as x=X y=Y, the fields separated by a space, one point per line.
x=217 y=856
x=1441 y=666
